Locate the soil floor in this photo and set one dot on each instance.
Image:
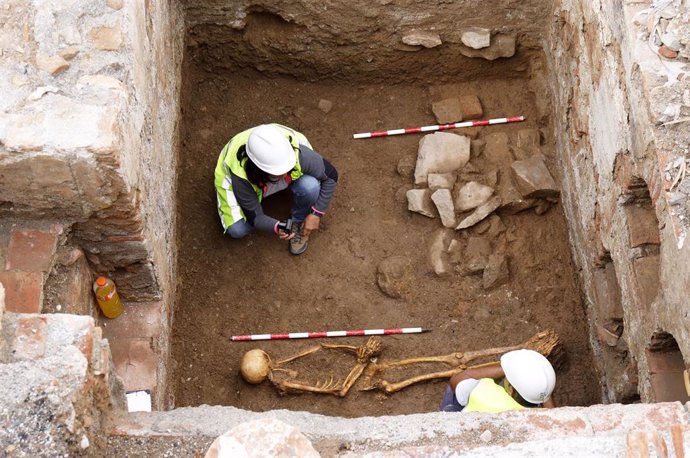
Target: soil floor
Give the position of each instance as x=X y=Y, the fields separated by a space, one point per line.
x=254 y=285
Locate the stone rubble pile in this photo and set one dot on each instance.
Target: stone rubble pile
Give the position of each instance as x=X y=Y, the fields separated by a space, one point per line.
x=464 y=180
x=666 y=24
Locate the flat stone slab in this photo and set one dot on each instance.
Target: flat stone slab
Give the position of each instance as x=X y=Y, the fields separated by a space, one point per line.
x=441 y=152
x=422 y=38
x=476 y=38
x=480 y=213
x=444 y=204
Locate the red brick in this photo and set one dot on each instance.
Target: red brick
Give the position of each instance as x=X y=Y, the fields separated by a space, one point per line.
x=647 y=279
x=660 y=362
x=135 y=362
x=23 y=291
x=471 y=107
x=643 y=226
x=31 y=250
x=29 y=340
x=668 y=386
x=138 y=320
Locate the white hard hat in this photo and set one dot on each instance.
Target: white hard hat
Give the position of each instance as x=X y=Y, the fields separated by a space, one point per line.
x=530 y=373
x=270 y=150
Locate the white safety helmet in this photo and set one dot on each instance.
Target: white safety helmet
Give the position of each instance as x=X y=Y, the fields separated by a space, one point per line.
x=270 y=150
x=530 y=373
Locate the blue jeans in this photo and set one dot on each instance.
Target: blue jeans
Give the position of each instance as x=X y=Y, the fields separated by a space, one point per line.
x=305 y=191
x=449 y=403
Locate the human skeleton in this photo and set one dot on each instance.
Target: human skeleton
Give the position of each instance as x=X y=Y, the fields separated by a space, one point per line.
x=285 y=380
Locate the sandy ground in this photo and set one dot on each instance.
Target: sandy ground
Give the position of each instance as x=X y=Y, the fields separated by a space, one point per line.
x=254 y=285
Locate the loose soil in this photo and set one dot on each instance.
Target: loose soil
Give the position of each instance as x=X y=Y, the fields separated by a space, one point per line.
x=254 y=285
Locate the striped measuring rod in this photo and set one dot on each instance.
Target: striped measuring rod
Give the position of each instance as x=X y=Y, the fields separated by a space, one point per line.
x=321 y=334
x=454 y=125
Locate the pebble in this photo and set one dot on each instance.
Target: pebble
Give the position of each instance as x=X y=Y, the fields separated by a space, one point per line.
x=486 y=436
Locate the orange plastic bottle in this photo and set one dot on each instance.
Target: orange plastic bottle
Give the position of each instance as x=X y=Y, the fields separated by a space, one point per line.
x=107 y=297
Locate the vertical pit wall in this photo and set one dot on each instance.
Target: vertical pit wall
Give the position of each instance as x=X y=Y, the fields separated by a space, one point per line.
x=626 y=241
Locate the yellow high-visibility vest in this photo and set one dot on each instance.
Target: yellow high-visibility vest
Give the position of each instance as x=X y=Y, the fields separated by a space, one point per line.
x=489 y=397
x=228 y=208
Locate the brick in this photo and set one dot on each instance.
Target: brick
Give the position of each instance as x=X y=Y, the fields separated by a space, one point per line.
x=29 y=340
x=31 y=250
x=447 y=110
x=668 y=386
x=138 y=320
x=135 y=362
x=646 y=279
x=471 y=107
x=607 y=292
x=665 y=361
x=23 y=291
x=643 y=227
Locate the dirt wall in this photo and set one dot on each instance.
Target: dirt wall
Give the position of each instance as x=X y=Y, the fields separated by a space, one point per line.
x=361 y=40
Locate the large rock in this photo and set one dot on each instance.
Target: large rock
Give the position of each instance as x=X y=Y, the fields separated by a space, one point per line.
x=480 y=213
x=394 y=276
x=447 y=110
x=532 y=178
x=511 y=199
x=444 y=205
x=419 y=201
x=476 y=38
x=472 y=195
x=438 y=252
x=441 y=152
x=441 y=181
x=496 y=272
x=267 y=437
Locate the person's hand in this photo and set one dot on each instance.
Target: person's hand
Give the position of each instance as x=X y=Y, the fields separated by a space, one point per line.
x=285 y=235
x=311 y=223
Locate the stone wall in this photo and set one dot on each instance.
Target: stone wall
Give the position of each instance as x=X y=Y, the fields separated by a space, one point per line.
x=627 y=234
x=57 y=384
x=88 y=129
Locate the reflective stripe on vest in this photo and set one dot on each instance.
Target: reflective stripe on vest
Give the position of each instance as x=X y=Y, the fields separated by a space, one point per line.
x=491 y=398
x=228 y=208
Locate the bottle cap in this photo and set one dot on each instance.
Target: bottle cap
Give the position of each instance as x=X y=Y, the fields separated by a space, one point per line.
x=100 y=281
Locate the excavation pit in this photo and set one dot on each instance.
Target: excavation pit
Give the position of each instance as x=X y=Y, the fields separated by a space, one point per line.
x=254 y=285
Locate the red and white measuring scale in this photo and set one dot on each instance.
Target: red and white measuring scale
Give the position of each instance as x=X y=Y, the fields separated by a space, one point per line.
x=321 y=334
x=455 y=125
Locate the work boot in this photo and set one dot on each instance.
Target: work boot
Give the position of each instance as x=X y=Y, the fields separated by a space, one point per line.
x=298 y=244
